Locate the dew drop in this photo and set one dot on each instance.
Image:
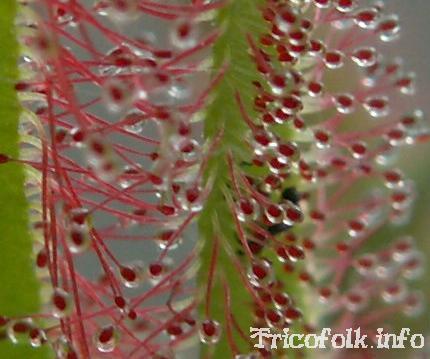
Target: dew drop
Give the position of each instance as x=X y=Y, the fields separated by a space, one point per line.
x=37 y=337
x=260 y=273
x=394 y=293
x=156 y=271
x=388 y=28
x=263 y=141
x=274 y=213
x=132 y=315
x=292 y=314
x=184 y=34
x=269 y=119
x=377 y=106
x=274 y=318
x=119 y=57
x=384 y=270
x=282 y=254
x=322 y=139
x=396 y=136
x=334 y=59
x=133 y=121
x=297 y=37
x=61 y=303
x=188 y=148
x=406 y=84
x=365 y=56
x=286 y=20
x=165 y=239
x=118 y=94
x=278 y=165
x=247 y=209
x=345 y=6
x=414 y=266
x=63 y=16
x=270 y=183
x=355 y=301
x=277 y=84
x=42 y=259
x=393 y=179
x=292 y=104
x=315 y=88
x=365 y=264
x=78 y=240
x=281 y=300
x=358 y=150
x=403 y=249
x=289 y=151
x=356 y=228
x=293 y=214
x=299 y=124
x=190 y=198
x=210 y=331
x=120 y=302
x=18 y=330
x=174 y=330
x=167 y=210
x=366 y=18
x=402 y=198
x=132 y=274
x=295 y=253
x=317 y=48
x=325 y=294
x=344 y=103
x=77 y=137
x=106 y=339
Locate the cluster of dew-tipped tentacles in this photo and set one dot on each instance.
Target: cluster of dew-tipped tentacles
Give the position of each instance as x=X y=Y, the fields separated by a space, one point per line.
x=112 y=139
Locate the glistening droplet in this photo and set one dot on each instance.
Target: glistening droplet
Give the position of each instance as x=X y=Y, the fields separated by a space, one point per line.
x=132 y=274
x=210 y=331
x=61 y=303
x=106 y=339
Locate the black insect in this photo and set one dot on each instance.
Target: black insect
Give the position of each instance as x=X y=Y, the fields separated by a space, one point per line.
x=289 y=194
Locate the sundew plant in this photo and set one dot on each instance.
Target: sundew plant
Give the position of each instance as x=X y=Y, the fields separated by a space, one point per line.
x=175 y=172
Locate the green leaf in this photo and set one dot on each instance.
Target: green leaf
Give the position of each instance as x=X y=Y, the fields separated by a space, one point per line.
x=237 y=20
x=19 y=293
x=239 y=17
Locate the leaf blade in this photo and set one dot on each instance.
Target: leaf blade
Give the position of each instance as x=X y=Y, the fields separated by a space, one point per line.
x=20 y=290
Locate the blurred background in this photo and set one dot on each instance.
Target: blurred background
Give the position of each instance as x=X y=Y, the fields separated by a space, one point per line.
x=414 y=48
